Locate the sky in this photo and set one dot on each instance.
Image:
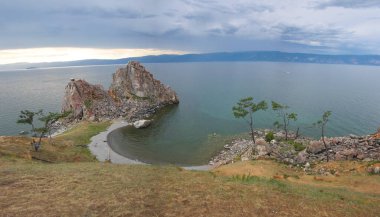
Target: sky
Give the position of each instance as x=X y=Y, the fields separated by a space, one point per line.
x=62 y=30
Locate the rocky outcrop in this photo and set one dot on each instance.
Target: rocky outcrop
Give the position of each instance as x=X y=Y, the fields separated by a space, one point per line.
x=135 y=82
x=303 y=151
x=87 y=101
x=134 y=94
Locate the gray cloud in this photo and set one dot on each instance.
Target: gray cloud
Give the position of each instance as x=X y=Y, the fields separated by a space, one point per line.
x=318 y=37
x=349 y=4
x=193 y=25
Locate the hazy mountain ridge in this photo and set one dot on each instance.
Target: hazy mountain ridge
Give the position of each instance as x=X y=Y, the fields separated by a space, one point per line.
x=265 y=56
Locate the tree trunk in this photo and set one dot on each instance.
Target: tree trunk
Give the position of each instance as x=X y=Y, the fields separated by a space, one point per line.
x=285 y=128
x=324 y=142
x=297 y=133
x=251 y=126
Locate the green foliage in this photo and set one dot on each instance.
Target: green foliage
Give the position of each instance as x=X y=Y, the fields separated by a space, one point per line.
x=27 y=117
x=242 y=109
x=49 y=120
x=322 y=124
x=245 y=178
x=277 y=106
x=246 y=107
x=297 y=145
x=325 y=118
x=269 y=136
x=88 y=103
x=284 y=115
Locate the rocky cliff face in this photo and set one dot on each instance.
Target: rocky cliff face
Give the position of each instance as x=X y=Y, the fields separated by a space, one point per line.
x=135 y=82
x=133 y=94
x=87 y=101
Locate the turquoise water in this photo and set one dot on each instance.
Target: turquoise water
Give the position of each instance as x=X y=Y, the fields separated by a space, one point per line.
x=183 y=134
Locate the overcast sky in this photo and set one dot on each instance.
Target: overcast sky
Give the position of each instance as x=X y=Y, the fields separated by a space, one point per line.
x=178 y=26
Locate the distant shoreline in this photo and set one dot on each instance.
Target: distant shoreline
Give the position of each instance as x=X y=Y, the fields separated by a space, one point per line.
x=244 y=56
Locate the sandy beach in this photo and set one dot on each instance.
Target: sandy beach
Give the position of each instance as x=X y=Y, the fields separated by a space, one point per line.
x=101 y=150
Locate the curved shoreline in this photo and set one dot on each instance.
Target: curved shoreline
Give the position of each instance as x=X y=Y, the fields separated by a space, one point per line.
x=102 y=151
x=100 y=148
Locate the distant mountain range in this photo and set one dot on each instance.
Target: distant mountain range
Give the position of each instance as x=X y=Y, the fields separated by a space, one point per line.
x=263 y=56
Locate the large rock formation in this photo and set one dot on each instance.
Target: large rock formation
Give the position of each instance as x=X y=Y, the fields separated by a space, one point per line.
x=134 y=82
x=133 y=94
x=87 y=101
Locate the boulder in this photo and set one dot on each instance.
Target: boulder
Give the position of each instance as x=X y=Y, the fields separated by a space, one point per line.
x=247 y=155
x=262 y=150
x=302 y=157
x=315 y=147
x=141 y=123
x=348 y=154
x=261 y=141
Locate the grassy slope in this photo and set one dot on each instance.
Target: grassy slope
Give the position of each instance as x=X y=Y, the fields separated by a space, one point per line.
x=32 y=188
x=67 y=147
x=97 y=189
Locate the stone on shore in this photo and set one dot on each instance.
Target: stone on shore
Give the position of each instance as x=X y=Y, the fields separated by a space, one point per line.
x=142 y=123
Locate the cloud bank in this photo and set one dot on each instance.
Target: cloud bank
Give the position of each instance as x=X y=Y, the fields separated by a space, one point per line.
x=329 y=26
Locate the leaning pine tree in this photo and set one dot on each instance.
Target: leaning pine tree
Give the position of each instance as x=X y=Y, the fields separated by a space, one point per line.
x=28 y=117
x=322 y=124
x=245 y=109
x=285 y=117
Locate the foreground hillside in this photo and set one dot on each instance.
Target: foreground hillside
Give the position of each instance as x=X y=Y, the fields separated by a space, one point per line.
x=98 y=189
x=63 y=179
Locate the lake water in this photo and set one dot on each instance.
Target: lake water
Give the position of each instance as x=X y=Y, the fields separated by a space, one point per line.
x=184 y=134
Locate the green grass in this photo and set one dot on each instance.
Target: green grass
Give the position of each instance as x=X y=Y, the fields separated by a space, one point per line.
x=82 y=133
x=70 y=146
x=296 y=145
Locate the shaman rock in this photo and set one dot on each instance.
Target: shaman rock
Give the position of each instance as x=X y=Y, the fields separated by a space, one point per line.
x=135 y=82
x=134 y=94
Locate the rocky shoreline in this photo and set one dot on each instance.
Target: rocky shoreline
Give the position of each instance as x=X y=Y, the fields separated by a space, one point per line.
x=301 y=151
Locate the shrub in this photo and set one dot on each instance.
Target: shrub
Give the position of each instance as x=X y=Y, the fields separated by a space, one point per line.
x=269 y=136
x=298 y=146
x=246 y=178
x=88 y=103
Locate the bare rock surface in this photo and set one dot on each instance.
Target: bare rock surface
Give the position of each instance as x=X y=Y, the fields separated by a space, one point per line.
x=135 y=82
x=134 y=94
x=361 y=148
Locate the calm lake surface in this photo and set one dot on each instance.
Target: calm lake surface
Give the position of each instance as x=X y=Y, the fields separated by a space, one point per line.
x=184 y=134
